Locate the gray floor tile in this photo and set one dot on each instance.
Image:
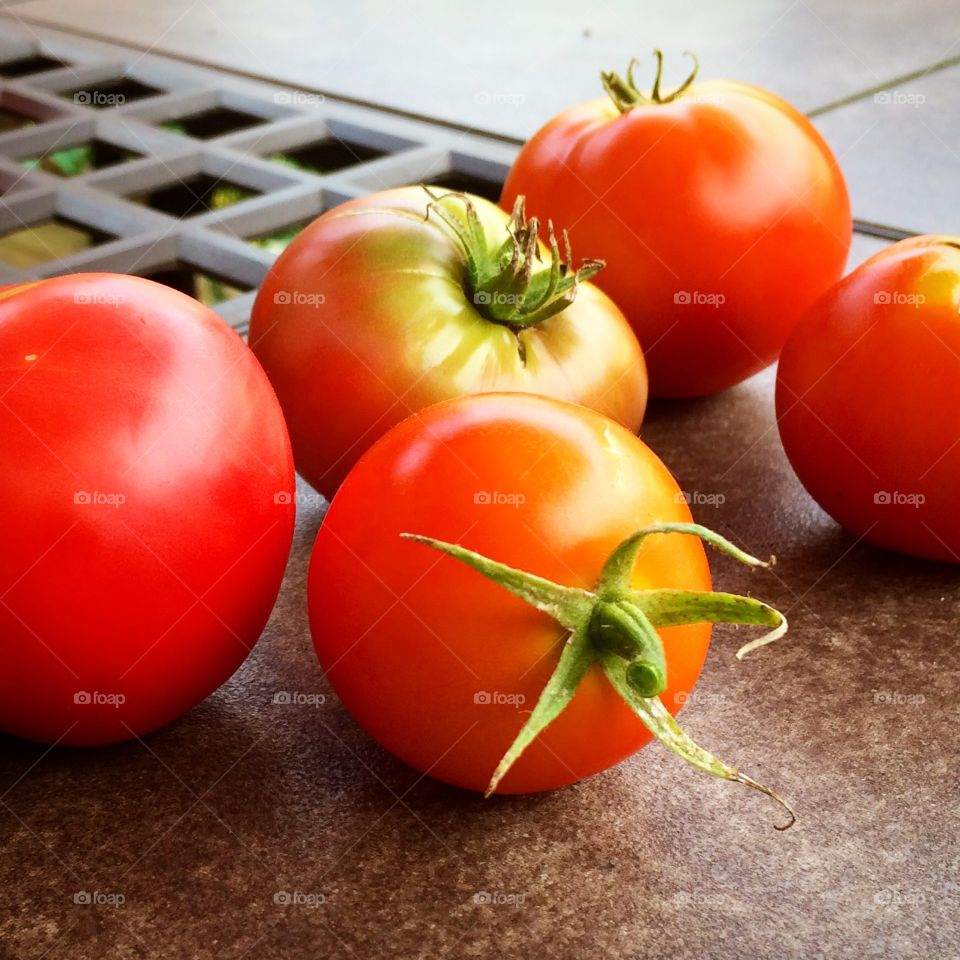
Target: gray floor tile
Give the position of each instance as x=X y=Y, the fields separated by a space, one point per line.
x=900 y=150
x=864 y=247
x=507 y=67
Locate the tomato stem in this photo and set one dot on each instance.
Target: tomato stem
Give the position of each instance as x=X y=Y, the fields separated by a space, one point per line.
x=626 y=95
x=504 y=282
x=615 y=626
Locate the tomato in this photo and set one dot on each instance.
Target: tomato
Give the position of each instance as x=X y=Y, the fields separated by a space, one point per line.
x=383 y=306
x=146 y=504
x=11 y=288
x=868 y=399
x=442 y=666
x=720 y=211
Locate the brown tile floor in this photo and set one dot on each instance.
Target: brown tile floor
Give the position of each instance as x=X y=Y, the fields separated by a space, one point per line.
x=202 y=826
x=205 y=825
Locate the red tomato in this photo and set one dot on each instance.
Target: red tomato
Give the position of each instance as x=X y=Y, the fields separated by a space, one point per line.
x=378 y=309
x=442 y=666
x=11 y=288
x=720 y=211
x=145 y=502
x=868 y=399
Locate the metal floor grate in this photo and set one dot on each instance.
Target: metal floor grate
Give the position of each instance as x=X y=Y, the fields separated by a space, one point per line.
x=117 y=161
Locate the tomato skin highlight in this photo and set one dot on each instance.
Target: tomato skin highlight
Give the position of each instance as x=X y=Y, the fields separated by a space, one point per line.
x=146 y=504
x=722 y=216
x=868 y=399
x=366 y=318
x=440 y=665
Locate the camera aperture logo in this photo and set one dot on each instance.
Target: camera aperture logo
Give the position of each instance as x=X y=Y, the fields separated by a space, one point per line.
x=701 y=697
x=99 y=98
x=298 y=298
x=899 y=98
x=98 y=299
x=299 y=98
x=897 y=498
x=699 y=298
x=295 y=698
x=495 y=698
x=306 y=499
x=497 y=298
x=97 y=498
x=699 y=498
x=896 y=698
x=497 y=498
x=499 y=898
x=899 y=298
x=97 y=698
x=299 y=898
x=99 y=898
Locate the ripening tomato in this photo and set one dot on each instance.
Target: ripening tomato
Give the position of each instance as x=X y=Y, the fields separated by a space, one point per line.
x=868 y=399
x=392 y=302
x=146 y=506
x=719 y=210
x=447 y=668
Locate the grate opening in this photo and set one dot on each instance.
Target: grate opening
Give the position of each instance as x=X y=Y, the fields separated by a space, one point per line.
x=203 y=285
x=25 y=66
x=468 y=183
x=54 y=238
x=276 y=241
x=326 y=156
x=11 y=120
x=215 y=122
x=111 y=93
x=194 y=195
x=80 y=159
x=252 y=160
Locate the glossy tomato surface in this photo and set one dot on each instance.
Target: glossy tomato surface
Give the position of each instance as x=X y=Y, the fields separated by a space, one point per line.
x=368 y=317
x=868 y=399
x=145 y=503
x=442 y=666
x=722 y=216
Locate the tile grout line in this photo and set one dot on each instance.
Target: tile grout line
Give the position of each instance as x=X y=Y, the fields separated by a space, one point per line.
x=861 y=227
x=266 y=78
x=886 y=85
